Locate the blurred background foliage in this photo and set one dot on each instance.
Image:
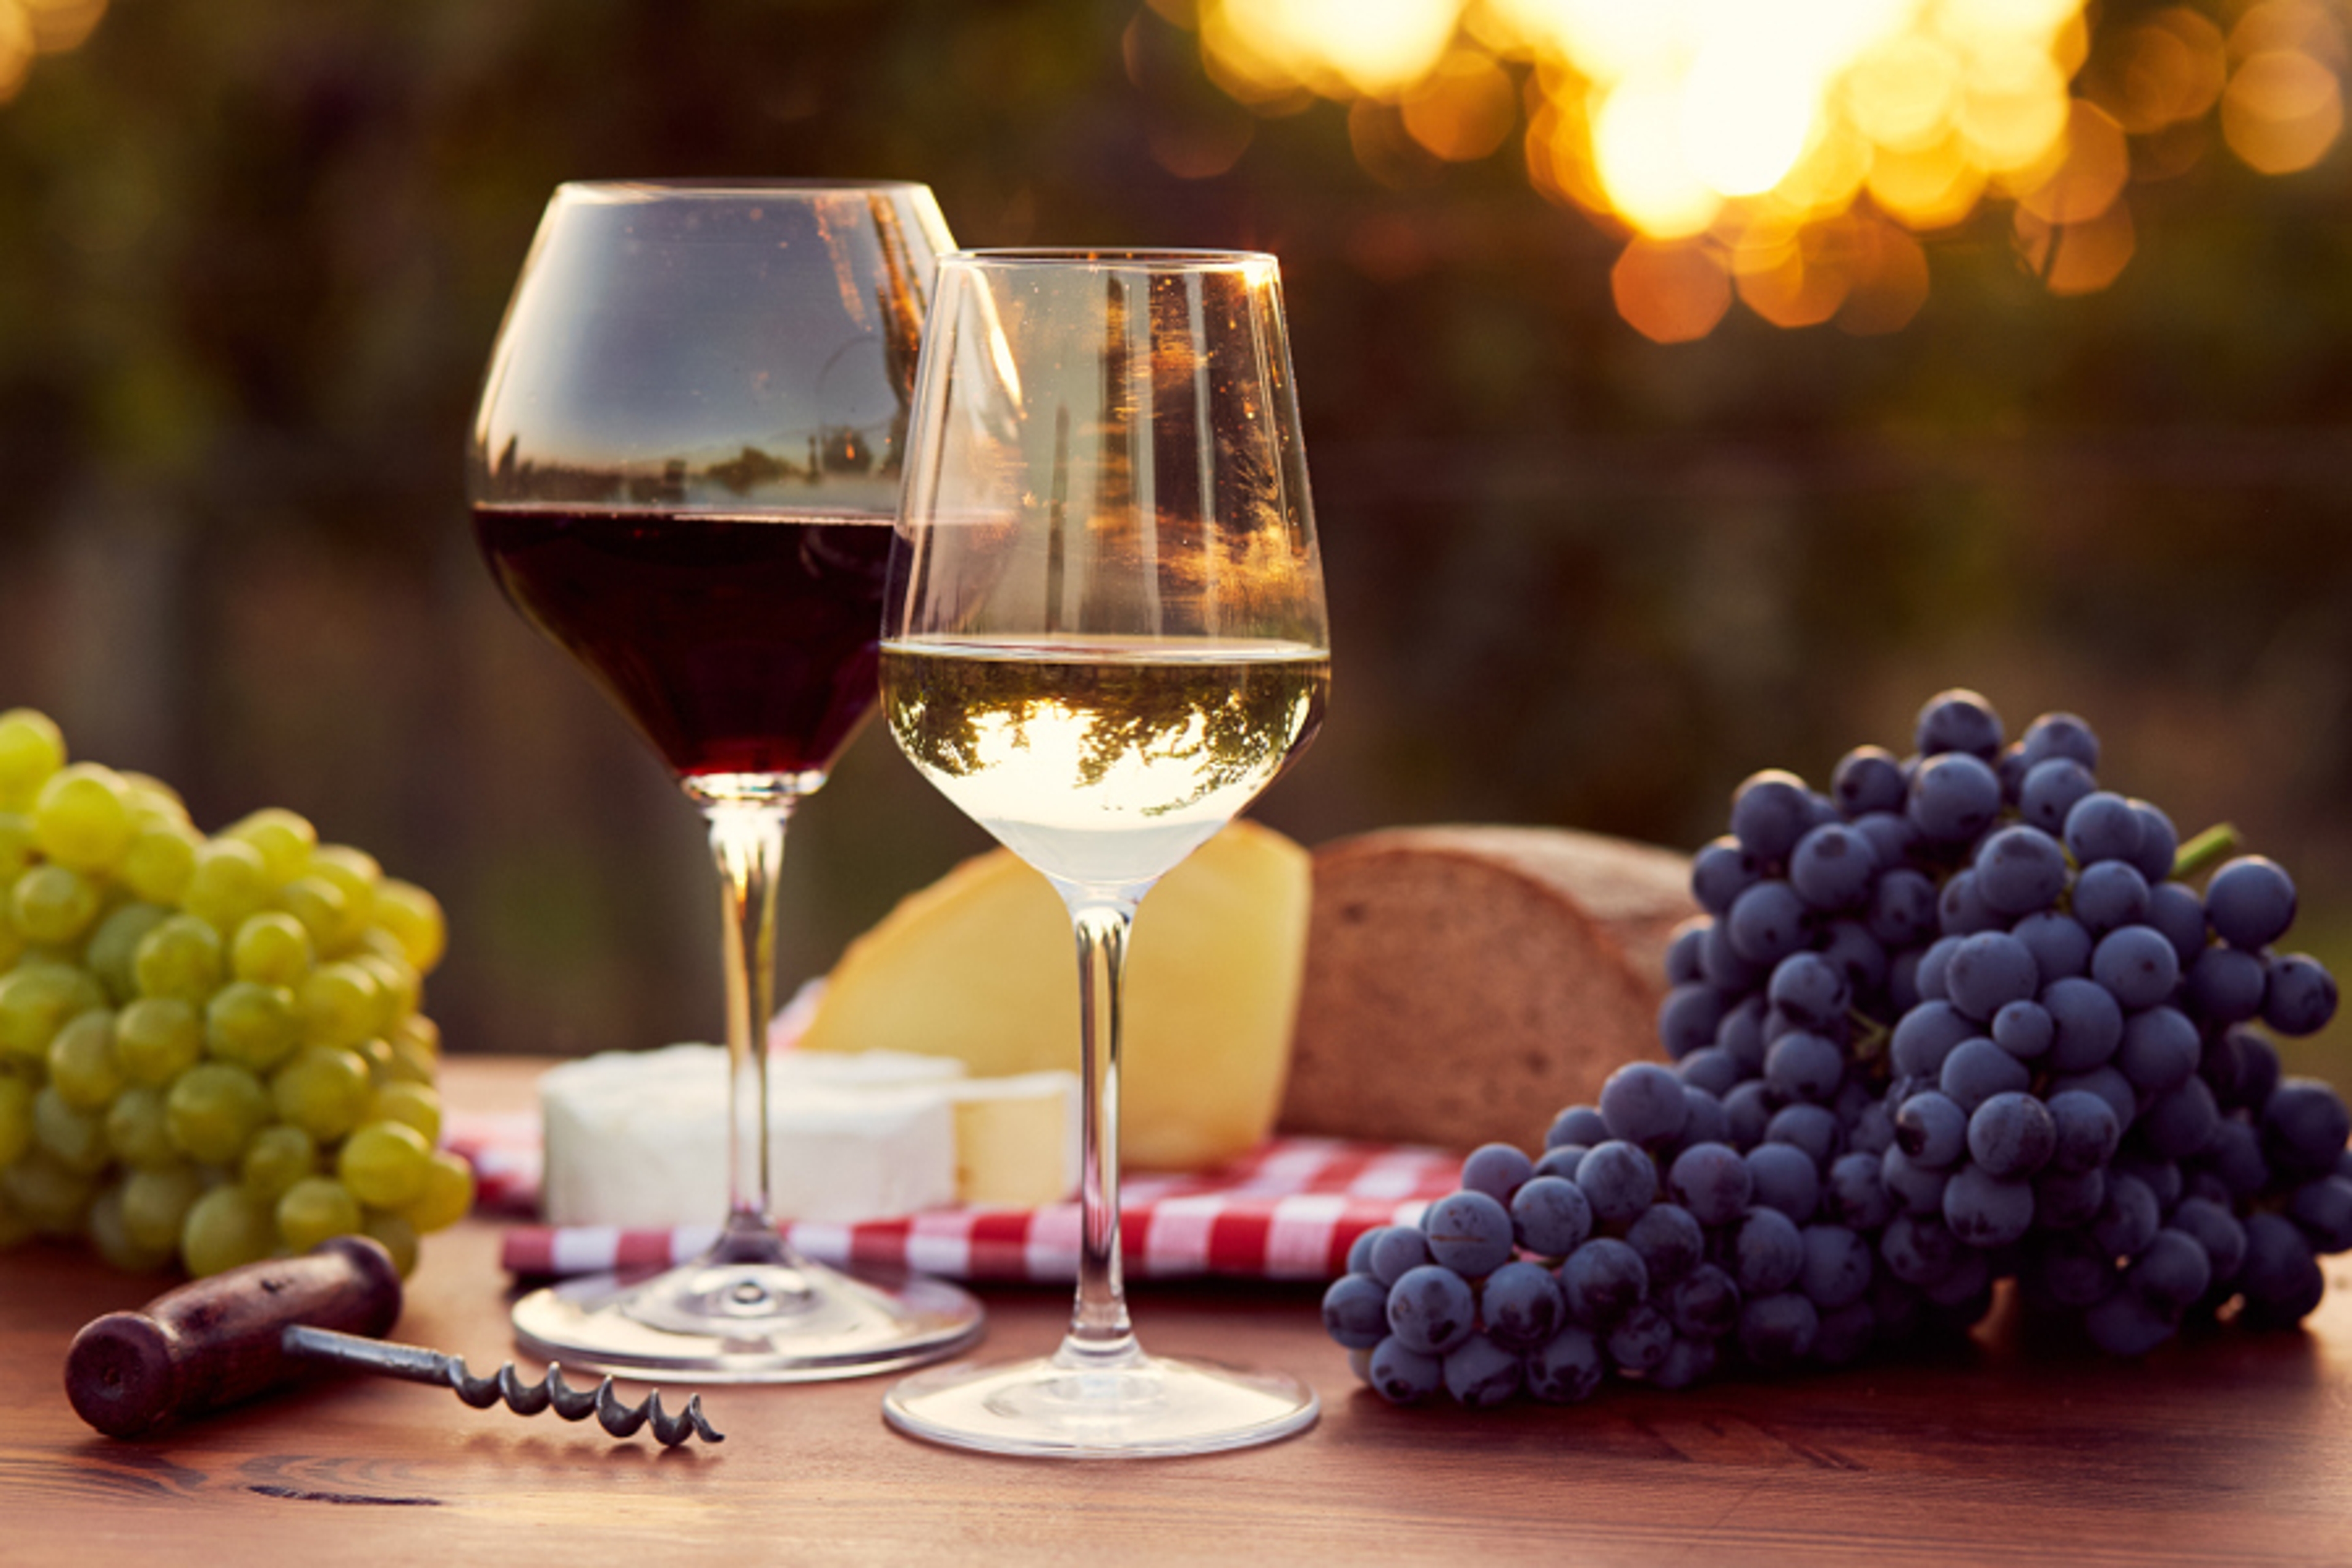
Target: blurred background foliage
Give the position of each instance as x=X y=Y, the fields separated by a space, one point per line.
x=252 y=256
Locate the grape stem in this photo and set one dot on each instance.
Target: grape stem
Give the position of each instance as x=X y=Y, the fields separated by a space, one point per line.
x=2200 y=854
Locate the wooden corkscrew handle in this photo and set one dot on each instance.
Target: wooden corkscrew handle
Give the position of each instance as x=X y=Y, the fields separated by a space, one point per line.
x=215 y=1342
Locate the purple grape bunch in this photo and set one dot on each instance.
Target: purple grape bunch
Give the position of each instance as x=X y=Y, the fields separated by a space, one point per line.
x=1965 y=1018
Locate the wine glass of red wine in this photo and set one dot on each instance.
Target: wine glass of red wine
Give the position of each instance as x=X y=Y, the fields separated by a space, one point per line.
x=684 y=472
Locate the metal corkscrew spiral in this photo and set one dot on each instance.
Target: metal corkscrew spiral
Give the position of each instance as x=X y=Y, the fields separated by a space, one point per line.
x=550 y=1392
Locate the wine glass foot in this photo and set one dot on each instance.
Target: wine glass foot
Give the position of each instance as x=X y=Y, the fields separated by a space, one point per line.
x=751 y=1321
x=1070 y=1405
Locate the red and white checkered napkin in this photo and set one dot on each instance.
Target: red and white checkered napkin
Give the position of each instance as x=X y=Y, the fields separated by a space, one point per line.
x=1288 y=1210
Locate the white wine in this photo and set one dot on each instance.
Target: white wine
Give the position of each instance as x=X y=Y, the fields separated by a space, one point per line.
x=1102 y=761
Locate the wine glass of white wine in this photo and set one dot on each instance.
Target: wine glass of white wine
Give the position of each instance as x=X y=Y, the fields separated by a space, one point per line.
x=1103 y=634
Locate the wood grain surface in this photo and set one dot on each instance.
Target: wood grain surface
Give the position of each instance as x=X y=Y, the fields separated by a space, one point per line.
x=2234 y=1449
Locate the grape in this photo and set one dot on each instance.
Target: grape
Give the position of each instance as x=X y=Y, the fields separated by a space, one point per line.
x=277 y=1157
x=2281 y=1279
x=110 y=1236
x=53 y=904
x=1833 y=867
x=1549 y=1216
x=2108 y=894
x=251 y=1026
x=2127 y=1221
x=2060 y=945
x=2159 y=1049
x=1836 y=1268
x=313 y=1209
x=1804 y=1066
x=1988 y=972
x=1641 y=1340
x=1767 y=924
x=1926 y=1034
x=1431 y=1310
x=1893 y=834
x=1567 y=1370
x=1720 y=872
x=2087 y=1023
x=1770 y=812
x=1602 y=1281
x=325 y=1092
x=1868 y=779
x=1360 y=1253
x=2066 y=1199
x=81 y=817
x=2138 y=964
x=157 y=1038
x=82 y=1064
x=31 y=749
x=283 y=839
x=1958 y=721
x=2084 y=1131
x=1985 y=1210
x=2249 y=902
x=1916 y=1188
x=1711 y=1180
x=180 y=959
x=227 y=1229
x=157 y=865
x=1520 y=1304
x=228 y=882
x=1953 y=798
x=2182 y=1120
x=1578 y=1124
x=1777 y=1330
x=2217 y=1230
x=2157 y=842
x=1642 y=1103
x=2011 y=1134
x=1901 y=908
x=2024 y=1030
x=1403 y=1375
x=2175 y=910
x=2019 y=870
x=1704 y=1304
x=2303 y=1127
x=1768 y=1251
x=52 y=1197
x=271 y=948
x=1400 y=1249
x=2049 y=789
x=1960 y=909
x=37 y=998
x=1619 y=1180
x=1809 y=990
x=1561 y=1160
x=1855 y=1195
x=1494 y=1169
x=15 y=1119
x=1479 y=1372
x=76 y=1138
x=1682 y=964
x=413 y=918
x=155 y=1203
x=1812 y=1129
x=1468 y=1232
x=341 y=1005
x=2323 y=1207
x=212 y=1110
x=2226 y=986
x=1712 y=1070
x=1704 y=1119
x=2298 y=996
x=2128 y=1324
x=1979 y=1069
x=1670 y=1243
x=2102 y=826
x=1785 y=1180
x=114 y=946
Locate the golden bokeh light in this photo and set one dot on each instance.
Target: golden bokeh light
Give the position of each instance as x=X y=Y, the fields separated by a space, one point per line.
x=31 y=27
x=1784 y=152
x=2282 y=110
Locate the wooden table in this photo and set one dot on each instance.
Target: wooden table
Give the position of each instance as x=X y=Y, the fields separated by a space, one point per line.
x=2235 y=1451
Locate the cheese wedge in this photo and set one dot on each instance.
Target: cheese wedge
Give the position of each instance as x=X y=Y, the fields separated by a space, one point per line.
x=981 y=966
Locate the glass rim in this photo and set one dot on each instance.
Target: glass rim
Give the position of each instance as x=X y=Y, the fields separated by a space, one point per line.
x=1157 y=258
x=617 y=191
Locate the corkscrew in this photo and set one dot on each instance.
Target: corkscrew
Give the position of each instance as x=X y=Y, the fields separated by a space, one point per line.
x=215 y=1343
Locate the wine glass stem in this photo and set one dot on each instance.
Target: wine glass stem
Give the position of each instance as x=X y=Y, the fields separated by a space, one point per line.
x=747 y=839
x=1099 y=1331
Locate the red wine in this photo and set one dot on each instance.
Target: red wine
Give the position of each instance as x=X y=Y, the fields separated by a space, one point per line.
x=737 y=644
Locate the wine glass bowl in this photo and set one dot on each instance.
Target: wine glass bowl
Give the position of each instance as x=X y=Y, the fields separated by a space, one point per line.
x=684 y=472
x=1104 y=635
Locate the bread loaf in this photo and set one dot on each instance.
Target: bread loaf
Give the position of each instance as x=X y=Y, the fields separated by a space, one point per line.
x=1465 y=984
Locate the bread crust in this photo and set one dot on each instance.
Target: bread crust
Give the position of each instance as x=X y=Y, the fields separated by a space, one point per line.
x=1464 y=982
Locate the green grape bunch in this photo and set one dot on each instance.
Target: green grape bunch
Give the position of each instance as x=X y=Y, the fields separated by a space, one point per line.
x=211 y=1047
